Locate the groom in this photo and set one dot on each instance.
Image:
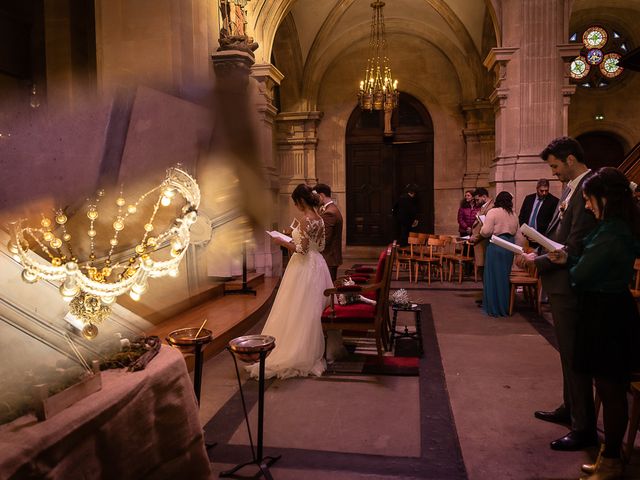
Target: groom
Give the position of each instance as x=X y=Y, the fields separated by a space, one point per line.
x=332 y=218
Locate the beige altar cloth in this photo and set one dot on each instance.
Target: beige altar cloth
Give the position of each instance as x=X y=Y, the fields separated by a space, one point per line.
x=140 y=425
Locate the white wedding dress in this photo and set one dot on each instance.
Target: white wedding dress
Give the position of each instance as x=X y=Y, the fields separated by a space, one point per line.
x=294 y=320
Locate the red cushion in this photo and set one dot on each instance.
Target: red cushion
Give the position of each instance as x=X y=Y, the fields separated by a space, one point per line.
x=381 y=259
x=348 y=288
x=360 y=279
x=373 y=295
x=364 y=270
x=355 y=312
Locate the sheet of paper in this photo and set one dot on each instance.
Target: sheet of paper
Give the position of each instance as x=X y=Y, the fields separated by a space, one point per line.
x=540 y=239
x=481 y=218
x=466 y=237
x=276 y=234
x=512 y=247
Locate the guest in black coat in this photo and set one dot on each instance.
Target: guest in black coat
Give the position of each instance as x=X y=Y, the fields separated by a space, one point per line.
x=405 y=213
x=537 y=209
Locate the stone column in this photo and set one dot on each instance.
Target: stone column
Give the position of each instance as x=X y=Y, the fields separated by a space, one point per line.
x=267 y=255
x=479 y=135
x=528 y=92
x=297 y=142
x=231 y=173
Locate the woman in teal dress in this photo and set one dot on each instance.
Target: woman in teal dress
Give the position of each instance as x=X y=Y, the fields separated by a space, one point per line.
x=608 y=334
x=502 y=222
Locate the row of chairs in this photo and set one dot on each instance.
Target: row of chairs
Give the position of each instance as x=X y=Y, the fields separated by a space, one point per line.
x=435 y=256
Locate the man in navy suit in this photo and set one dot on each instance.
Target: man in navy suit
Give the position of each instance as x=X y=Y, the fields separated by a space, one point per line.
x=537 y=208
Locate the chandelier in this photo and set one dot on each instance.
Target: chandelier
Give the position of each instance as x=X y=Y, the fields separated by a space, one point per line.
x=378 y=90
x=92 y=284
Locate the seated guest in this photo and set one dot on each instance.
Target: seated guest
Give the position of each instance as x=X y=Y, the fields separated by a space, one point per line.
x=501 y=222
x=537 y=208
x=608 y=333
x=467 y=214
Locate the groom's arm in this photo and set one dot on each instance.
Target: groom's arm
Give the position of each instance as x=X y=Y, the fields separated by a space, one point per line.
x=330 y=219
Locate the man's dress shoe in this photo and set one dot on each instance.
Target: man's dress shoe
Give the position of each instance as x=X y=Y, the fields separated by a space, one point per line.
x=559 y=415
x=575 y=441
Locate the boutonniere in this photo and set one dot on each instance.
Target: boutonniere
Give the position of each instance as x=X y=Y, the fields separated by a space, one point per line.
x=562 y=208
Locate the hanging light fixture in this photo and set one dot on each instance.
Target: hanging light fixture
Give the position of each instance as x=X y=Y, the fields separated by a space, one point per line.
x=378 y=90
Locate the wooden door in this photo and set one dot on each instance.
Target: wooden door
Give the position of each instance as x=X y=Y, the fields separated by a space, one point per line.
x=379 y=169
x=369 y=198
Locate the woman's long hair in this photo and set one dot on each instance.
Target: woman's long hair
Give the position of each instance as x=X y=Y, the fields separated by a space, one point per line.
x=610 y=184
x=504 y=200
x=464 y=203
x=304 y=194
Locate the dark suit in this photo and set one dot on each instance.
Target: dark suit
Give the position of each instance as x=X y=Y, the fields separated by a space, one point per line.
x=545 y=212
x=332 y=252
x=575 y=224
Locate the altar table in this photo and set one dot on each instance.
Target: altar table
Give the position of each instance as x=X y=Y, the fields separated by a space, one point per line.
x=140 y=425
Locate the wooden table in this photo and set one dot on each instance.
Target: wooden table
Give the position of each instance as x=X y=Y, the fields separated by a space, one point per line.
x=140 y=425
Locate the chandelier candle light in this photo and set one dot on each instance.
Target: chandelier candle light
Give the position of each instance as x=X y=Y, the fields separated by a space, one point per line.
x=378 y=90
x=92 y=285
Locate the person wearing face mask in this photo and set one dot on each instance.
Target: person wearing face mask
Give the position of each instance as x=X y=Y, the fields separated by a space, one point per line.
x=608 y=330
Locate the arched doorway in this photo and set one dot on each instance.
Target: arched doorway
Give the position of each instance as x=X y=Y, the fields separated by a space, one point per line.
x=379 y=168
x=601 y=149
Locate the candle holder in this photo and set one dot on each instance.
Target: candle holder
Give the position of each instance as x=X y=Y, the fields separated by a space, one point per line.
x=192 y=340
x=249 y=349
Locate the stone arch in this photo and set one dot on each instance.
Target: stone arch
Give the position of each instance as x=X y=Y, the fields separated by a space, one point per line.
x=266 y=16
x=602 y=148
x=377 y=170
x=623 y=132
x=287 y=57
x=493 y=7
x=468 y=76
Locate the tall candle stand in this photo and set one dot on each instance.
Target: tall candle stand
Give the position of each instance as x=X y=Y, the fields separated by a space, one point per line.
x=249 y=349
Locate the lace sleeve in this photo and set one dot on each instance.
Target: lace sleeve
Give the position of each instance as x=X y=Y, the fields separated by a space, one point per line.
x=303 y=246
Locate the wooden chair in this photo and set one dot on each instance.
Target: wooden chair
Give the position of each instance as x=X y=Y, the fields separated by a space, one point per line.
x=531 y=287
x=408 y=258
x=363 y=317
x=430 y=255
x=462 y=253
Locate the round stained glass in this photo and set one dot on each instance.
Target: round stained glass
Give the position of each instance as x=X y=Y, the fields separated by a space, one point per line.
x=594 y=37
x=579 y=68
x=594 y=57
x=609 y=66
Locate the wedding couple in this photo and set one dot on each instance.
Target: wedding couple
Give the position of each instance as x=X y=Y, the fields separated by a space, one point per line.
x=294 y=320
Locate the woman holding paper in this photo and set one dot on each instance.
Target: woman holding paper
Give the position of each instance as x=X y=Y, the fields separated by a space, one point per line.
x=294 y=320
x=502 y=222
x=608 y=333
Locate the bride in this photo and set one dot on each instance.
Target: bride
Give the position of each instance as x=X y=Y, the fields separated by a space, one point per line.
x=294 y=320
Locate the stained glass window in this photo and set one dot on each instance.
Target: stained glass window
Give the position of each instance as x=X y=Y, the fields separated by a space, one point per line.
x=602 y=50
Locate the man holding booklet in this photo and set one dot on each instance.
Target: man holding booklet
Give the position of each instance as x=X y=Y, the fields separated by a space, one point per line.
x=568 y=227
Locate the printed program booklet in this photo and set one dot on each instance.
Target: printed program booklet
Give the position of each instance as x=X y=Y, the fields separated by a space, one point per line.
x=512 y=247
x=540 y=239
x=276 y=234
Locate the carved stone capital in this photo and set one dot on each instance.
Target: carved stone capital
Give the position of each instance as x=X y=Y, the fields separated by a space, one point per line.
x=233 y=67
x=499 y=98
x=497 y=61
x=268 y=77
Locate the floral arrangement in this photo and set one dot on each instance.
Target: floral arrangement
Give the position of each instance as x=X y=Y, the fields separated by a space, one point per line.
x=400 y=297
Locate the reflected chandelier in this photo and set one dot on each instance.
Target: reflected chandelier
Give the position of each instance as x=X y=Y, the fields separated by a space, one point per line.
x=92 y=285
x=378 y=90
